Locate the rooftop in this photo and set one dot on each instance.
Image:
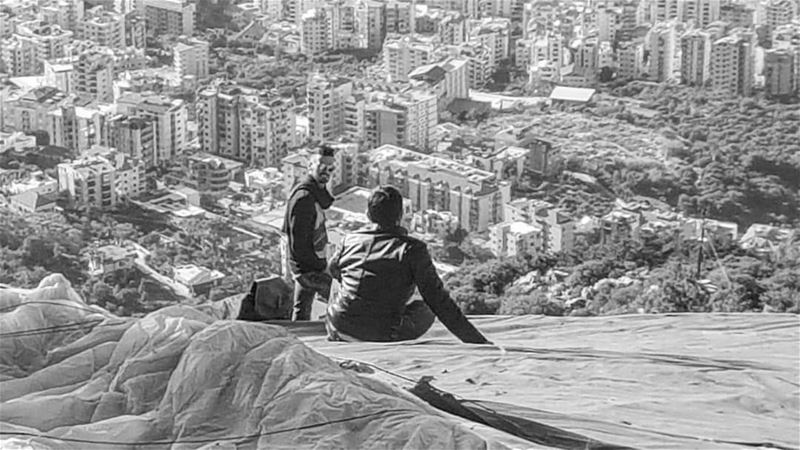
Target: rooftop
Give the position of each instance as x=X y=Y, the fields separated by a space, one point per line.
x=572 y=94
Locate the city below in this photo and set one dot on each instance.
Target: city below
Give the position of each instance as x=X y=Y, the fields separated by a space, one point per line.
x=558 y=158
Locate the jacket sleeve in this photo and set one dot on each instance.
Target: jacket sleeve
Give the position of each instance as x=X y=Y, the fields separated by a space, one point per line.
x=301 y=227
x=333 y=264
x=438 y=299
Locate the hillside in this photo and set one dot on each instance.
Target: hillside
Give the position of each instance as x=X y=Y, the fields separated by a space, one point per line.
x=187 y=377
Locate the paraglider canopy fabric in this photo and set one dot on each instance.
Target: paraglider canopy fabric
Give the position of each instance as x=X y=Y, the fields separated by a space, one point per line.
x=73 y=375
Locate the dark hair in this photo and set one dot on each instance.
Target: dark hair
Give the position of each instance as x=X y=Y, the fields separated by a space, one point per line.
x=385 y=206
x=326 y=150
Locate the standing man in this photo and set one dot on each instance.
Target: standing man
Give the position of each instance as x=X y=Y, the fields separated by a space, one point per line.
x=304 y=225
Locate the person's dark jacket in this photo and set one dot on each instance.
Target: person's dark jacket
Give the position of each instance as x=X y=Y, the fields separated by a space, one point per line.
x=304 y=225
x=378 y=271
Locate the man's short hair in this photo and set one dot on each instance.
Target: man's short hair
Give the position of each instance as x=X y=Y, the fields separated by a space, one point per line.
x=385 y=206
x=323 y=151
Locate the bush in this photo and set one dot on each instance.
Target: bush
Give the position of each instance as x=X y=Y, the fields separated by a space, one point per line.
x=533 y=303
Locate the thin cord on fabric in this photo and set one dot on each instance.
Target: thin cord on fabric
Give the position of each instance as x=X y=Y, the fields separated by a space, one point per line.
x=246 y=437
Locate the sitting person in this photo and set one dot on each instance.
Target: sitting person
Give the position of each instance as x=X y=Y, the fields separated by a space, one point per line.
x=378 y=268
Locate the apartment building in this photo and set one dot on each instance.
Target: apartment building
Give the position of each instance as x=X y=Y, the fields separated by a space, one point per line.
x=33 y=42
x=403 y=54
x=430 y=182
x=174 y=17
x=448 y=80
x=400 y=16
x=169 y=117
x=103 y=27
x=93 y=76
x=779 y=76
x=326 y=97
x=78 y=127
x=510 y=239
x=733 y=64
x=481 y=64
x=448 y=26
x=788 y=37
x=100 y=181
x=133 y=136
x=775 y=13
x=699 y=13
x=30 y=111
x=190 y=57
x=211 y=173
x=662 y=43
x=738 y=15
x=58 y=74
x=67 y=14
x=493 y=33
x=247 y=125
x=370 y=23
x=407 y=119
x=696 y=57
x=557 y=227
x=630 y=60
x=316 y=32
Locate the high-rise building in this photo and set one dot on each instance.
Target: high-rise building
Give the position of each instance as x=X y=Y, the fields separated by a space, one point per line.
x=78 y=127
x=774 y=13
x=779 y=76
x=407 y=119
x=370 y=23
x=402 y=54
x=697 y=12
x=400 y=17
x=103 y=27
x=586 y=57
x=733 y=64
x=696 y=57
x=93 y=76
x=190 y=57
x=630 y=56
x=173 y=17
x=254 y=127
x=169 y=117
x=316 y=32
x=738 y=15
x=788 y=37
x=133 y=136
x=326 y=97
x=662 y=41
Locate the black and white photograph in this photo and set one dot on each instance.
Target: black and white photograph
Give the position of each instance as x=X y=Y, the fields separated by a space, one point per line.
x=399 y=224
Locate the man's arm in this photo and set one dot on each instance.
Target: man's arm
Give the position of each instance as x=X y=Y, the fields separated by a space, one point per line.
x=301 y=226
x=438 y=299
x=333 y=263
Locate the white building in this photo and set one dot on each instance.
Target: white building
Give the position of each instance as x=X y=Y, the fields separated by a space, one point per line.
x=403 y=54
x=169 y=116
x=101 y=181
x=733 y=64
x=174 y=17
x=102 y=27
x=316 y=32
x=190 y=57
x=326 y=97
x=509 y=239
x=255 y=127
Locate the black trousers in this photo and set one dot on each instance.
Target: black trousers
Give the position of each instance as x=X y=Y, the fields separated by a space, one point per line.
x=416 y=320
